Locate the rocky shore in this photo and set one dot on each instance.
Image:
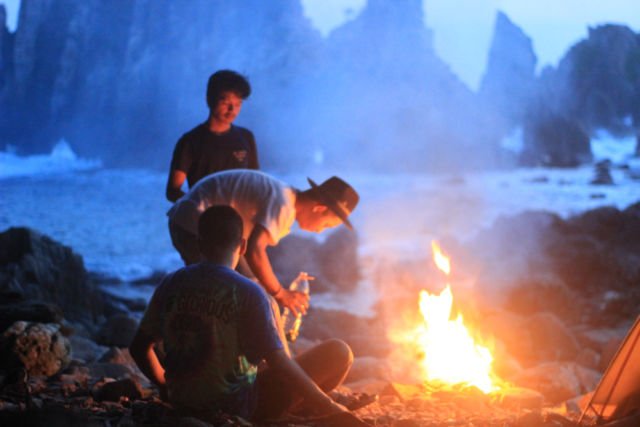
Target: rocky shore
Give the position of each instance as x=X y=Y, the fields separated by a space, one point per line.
x=556 y=295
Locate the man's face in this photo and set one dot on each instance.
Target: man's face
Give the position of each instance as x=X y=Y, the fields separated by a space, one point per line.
x=227 y=107
x=318 y=219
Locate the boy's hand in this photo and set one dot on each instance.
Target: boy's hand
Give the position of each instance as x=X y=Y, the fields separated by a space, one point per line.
x=297 y=302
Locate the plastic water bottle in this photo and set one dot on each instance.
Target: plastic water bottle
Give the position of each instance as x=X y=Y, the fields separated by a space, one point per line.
x=292 y=323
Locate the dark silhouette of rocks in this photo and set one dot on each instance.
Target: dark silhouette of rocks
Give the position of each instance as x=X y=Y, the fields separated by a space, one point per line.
x=333 y=264
x=122 y=81
x=602 y=173
x=41 y=349
x=510 y=78
x=554 y=141
x=595 y=87
x=34 y=267
x=399 y=99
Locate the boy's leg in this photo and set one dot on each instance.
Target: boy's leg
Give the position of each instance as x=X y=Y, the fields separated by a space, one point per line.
x=327 y=364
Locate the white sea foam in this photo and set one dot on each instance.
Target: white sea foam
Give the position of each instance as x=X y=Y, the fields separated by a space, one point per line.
x=61 y=159
x=618 y=150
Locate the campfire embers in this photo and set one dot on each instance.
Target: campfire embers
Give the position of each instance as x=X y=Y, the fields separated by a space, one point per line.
x=447 y=353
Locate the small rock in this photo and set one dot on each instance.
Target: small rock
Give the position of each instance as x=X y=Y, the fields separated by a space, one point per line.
x=109 y=370
x=117 y=355
x=556 y=381
x=588 y=358
x=29 y=311
x=118 y=331
x=531 y=419
x=40 y=347
x=520 y=398
x=115 y=390
x=551 y=338
x=85 y=349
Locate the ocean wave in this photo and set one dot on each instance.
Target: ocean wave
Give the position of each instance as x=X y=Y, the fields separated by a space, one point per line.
x=62 y=159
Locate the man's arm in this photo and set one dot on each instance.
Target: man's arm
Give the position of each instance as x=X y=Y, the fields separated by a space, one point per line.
x=174 y=184
x=259 y=263
x=293 y=374
x=141 y=350
x=253 y=153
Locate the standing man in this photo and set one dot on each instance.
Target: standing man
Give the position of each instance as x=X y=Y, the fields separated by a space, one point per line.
x=217 y=326
x=216 y=144
x=268 y=208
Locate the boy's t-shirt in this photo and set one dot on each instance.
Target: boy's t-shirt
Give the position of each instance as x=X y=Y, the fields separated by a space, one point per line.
x=216 y=326
x=258 y=198
x=201 y=152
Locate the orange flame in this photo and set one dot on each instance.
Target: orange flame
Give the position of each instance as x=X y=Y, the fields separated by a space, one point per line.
x=450 y=353
x=442 y=261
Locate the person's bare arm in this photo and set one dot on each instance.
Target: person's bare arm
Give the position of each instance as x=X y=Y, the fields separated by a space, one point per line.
x=141 y=350
x=259 y=263
x=290 y=372
x=174 y=185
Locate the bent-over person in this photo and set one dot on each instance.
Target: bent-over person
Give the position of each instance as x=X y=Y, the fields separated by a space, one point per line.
x=268 y=208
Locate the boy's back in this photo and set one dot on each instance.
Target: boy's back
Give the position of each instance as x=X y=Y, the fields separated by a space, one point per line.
x=216 y=326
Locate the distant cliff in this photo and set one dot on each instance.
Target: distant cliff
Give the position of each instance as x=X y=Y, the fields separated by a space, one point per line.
x=596 y=86
x=122 y=80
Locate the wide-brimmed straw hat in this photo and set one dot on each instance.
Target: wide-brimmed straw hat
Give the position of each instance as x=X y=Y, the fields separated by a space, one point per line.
x=338 y=196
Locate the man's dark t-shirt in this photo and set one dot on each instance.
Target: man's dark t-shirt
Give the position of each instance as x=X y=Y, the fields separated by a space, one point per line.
x=201 y=152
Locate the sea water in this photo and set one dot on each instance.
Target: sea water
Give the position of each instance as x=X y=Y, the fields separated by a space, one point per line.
x=116 y=218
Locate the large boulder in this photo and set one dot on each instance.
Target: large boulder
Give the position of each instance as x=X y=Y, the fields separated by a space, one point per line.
x=558 y=381
x=334 y=263
x=39 y=348
x=35 y=267
x=509 y=80
x=366 y=336
x=117 y=331
x=552 y=140
x=30 y=311
x=551 y=338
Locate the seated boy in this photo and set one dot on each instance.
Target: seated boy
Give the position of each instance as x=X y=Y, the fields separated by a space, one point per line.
x=217 y=326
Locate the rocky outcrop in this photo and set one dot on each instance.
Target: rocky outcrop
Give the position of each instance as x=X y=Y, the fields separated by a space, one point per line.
x=551 y=140
x=127 y=62
x=333 y=264
x=76 y=63
x=118 y=331
x=510 y=78
x=39 y=348
x=595 y=86
x=383 y=64
x=582 y=269
x=34 y=267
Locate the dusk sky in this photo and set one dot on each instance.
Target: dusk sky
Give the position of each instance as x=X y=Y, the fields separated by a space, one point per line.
x=462 y=28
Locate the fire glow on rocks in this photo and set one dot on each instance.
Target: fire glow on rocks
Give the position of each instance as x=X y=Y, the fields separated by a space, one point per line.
x=450 y=354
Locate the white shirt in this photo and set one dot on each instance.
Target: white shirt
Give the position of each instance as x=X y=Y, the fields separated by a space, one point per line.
x=256 y=196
